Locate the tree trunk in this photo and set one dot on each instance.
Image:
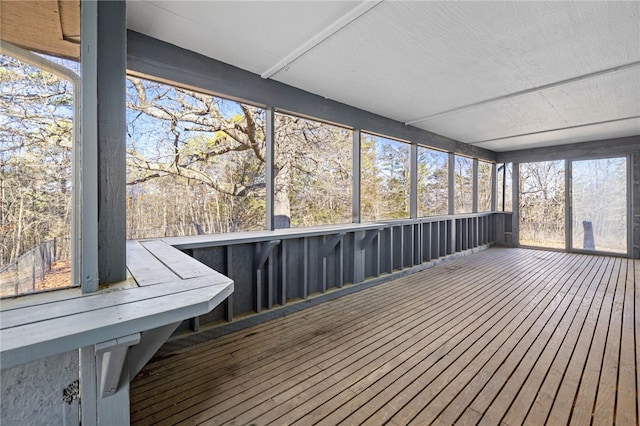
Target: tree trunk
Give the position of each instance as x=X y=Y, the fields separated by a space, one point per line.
x=281 y=204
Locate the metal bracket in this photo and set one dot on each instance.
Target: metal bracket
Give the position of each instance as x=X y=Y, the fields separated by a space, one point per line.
x=113 y=353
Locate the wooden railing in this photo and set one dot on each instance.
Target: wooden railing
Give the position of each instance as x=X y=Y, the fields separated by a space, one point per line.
x=272 y=269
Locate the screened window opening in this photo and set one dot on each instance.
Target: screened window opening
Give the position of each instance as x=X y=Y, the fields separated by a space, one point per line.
x=433 y=182
x=463 y=185
x=36 y=173
x=385 y=182
x=484 y=186
x=313 y=173
x=195 y=162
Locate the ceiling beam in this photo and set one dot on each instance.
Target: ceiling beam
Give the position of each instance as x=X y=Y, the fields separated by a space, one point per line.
x=555 y=130
x=625 y=67
x=314 y=41
x=605 y=148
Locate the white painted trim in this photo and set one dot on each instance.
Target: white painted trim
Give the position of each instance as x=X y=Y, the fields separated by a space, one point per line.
x=314 y=41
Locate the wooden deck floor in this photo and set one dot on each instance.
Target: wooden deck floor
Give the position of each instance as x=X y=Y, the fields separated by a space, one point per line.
x=505 y=336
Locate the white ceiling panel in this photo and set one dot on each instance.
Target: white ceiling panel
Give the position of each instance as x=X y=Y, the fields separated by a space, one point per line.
x=418 y=60
x=408 y=60
x=617 y=129
x=605 y=98
x=252 y=35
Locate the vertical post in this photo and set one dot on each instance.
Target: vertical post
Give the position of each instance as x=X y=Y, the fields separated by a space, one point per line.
x=283 y=272
x=494 y=187
x=452 y=183
x=355 y=207
x=413 y=175
x=474 y=180
x=515 y=190
x=269 y=157
x=85 y=229
x=504 y=187
x=568 y=204
x=633 y=205
x=111 y=113
x=228 y=268
x=450 y=234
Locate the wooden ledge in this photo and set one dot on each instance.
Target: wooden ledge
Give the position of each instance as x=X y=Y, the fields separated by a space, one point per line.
x=166 y=287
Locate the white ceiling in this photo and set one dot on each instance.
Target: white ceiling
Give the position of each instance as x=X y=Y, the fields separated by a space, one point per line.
x=502 y=75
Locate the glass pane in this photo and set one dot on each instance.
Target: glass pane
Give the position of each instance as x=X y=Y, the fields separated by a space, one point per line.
x=195 y=162
x=313 y=165
x=463 y=185
x=484 y=186
x=433 y=178
x=36 y=176
x=599 y=203
x=542 y=202
x=385 y=183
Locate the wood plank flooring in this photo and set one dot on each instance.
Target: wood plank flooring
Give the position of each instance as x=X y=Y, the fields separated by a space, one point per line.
x=501 y=337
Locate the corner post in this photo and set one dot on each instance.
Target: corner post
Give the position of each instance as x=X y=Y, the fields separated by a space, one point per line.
x=110 y=92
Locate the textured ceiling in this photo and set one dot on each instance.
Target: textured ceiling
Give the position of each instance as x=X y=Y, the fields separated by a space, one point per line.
x=502 y=75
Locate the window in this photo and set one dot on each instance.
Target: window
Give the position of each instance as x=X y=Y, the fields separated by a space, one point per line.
x=385 y=183
x=433 y=178
x=195 y=162
x=484 y=186
x=36 y=172
x=313 y=173
x=463 y=185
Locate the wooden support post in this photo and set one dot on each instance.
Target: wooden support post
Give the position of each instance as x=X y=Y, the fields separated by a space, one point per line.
x=269 y=166
x=402 y=250
x=340 y=267
x=283 y=273
x=355 y=203
x=360 y=241
x=417 y=243
x=305 y=268
x=435 y=240
x=111 y=103
x=451 y=182
x=494 y=188
x=474 y=185
x=426 y=242
x=263 y=254
x=515 y=188
x=390 y=248
x=378 y=254
x=270 y=281
x=327 y=248
x=228 y=267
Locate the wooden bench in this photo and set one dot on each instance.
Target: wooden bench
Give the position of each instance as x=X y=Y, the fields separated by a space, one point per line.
x=127 y=321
